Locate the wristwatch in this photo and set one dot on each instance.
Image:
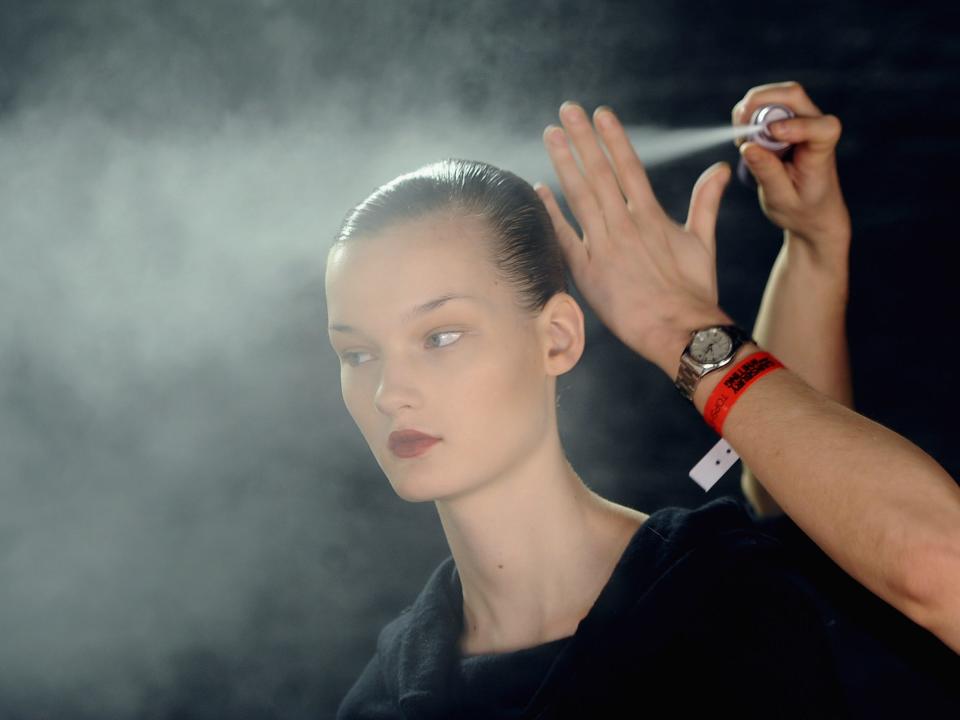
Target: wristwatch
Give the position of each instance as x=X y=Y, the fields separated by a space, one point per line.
x=709 y=349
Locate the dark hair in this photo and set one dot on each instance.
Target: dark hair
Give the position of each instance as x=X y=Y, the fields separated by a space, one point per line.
x=524 y=246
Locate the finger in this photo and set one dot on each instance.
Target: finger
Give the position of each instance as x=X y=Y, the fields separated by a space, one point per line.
x=629 y=169
x=789 y=93
x=737 y=114
x=770 y=173
x=819 y=134
x=596 y=166
x=574 y=250
x=579 y=194
x=705 y=204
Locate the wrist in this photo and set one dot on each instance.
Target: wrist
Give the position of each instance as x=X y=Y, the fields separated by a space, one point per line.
x=824 y=249
x=824 y=270
x=710 y=381
x=825 y=227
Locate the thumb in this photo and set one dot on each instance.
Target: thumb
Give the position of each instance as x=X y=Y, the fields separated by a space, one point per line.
x=770 y=173
x=705 y=203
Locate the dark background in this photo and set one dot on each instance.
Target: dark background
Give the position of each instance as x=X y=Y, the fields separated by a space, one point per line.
x=190 y=531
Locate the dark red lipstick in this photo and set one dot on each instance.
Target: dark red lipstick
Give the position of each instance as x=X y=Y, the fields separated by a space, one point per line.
x=410 y=443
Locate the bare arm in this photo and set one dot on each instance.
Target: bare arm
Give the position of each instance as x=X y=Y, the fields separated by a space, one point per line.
x=802 y=320
x=883 y=509
x=802 y=313
x=878 y=505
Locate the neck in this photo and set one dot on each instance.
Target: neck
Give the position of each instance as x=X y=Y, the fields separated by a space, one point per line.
x=533 y=548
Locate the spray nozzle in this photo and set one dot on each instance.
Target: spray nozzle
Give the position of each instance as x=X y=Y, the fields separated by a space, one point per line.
x=762 y=117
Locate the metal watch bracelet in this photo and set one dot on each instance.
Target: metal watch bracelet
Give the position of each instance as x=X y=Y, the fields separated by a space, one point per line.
x=690 y=372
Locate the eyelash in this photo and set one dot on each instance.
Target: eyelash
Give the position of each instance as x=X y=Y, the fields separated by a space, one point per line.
x=347 y=355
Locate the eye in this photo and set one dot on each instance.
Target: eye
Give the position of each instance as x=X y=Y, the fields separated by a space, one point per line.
x=348 y=355
x=446 y=333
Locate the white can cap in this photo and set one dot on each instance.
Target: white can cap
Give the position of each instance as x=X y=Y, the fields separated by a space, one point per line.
x=764 y=115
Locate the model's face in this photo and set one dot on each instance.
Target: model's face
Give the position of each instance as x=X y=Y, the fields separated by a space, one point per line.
x=468 y=371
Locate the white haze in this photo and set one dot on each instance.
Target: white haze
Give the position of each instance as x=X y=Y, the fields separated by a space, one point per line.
x=171 y=416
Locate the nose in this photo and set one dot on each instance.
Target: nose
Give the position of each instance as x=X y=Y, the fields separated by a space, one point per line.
x=398 y=388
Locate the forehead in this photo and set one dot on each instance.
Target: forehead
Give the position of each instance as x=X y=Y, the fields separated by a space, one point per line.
x=408 y=263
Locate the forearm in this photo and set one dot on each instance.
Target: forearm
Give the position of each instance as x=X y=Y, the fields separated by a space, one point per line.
x=883 y=509
x=802 y=318
x=802 y=321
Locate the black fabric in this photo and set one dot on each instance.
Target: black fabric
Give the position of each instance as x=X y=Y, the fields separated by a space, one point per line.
x=501 y=684
x=710 y=609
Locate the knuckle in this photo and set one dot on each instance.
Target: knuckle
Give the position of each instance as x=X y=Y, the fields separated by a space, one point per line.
x=597 y=163
x=795 y=90
x=736 y=112
x=632 y=165
x=757 y=90
x=623 y=224
x=833 y=125
x=791 y=207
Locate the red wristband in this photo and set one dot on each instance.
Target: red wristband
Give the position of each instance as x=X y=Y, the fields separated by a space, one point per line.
x=731 y=388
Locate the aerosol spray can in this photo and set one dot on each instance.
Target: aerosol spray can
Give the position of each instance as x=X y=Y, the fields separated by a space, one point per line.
x=764 y=115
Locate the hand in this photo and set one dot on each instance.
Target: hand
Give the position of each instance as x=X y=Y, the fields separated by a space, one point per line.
x=801 y=195
x=650 y=280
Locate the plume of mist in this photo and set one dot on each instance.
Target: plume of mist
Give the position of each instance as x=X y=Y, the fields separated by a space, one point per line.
x=178 y=466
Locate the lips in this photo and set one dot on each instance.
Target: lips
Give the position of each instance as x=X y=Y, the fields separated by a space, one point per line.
x=410 y=443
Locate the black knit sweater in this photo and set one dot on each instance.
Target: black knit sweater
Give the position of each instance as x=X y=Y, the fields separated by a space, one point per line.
x=708 y=610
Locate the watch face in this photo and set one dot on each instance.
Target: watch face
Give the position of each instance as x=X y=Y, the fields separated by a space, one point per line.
x=710 y=346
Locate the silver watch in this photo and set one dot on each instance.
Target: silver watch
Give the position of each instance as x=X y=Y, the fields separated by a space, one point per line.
x=709 y=349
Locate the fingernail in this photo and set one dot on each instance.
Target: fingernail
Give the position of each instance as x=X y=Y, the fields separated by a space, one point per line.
x=604 y=116
x=738 y=112
x=778 y=128
x=572 y=111
x=554 y=135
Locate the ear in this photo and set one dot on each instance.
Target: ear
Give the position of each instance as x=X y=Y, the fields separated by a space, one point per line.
x=561 y=328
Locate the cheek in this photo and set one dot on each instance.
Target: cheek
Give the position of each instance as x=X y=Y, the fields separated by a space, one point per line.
x=358 y=400
x=502 y=399
x=476 y=399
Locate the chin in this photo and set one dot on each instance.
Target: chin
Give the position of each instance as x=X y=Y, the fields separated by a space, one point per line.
x=417 y=487
x=414 y=491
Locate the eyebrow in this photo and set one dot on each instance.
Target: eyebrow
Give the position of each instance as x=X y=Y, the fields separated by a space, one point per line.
x=414 y=312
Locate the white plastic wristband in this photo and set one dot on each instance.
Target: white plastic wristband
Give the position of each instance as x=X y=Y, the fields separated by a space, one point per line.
x=714 y=464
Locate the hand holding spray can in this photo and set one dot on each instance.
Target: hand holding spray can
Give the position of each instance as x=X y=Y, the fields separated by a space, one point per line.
x=764 y=115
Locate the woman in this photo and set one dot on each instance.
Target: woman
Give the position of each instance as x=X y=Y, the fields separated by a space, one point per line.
x=449 y=310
